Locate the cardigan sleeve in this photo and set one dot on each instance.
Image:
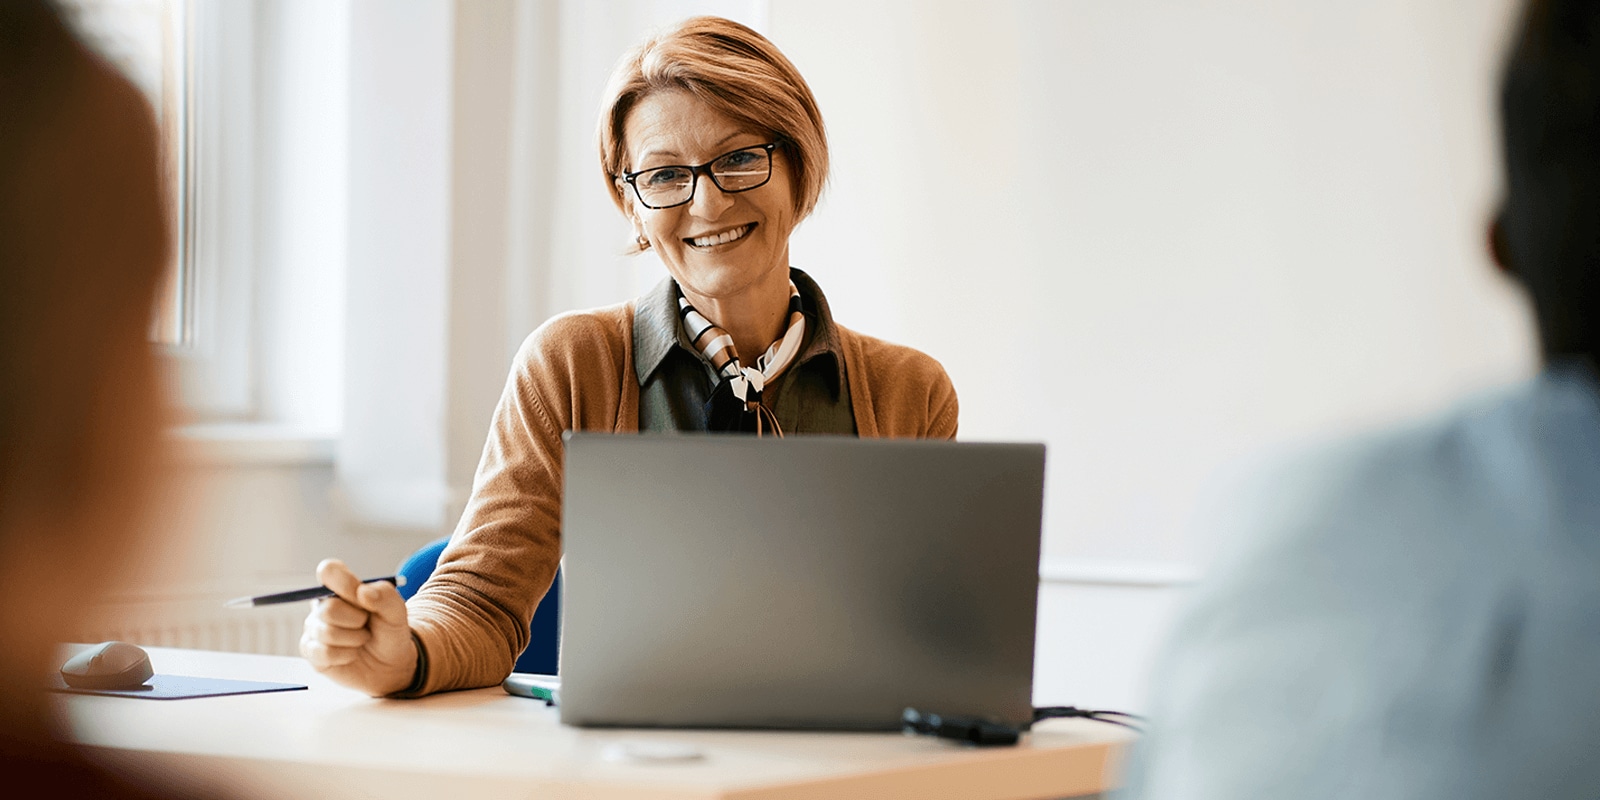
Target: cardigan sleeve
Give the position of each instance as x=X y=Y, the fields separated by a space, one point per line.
x=471 y=616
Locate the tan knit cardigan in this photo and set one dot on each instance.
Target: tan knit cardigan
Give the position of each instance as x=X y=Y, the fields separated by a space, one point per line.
x=576 y=372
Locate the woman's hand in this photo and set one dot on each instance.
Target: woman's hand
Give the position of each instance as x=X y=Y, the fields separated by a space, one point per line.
x=359 y=638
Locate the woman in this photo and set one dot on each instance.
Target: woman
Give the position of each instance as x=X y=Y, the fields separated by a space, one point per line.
x=712 y=146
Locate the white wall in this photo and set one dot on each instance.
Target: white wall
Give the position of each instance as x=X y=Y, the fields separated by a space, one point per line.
x=1161 y=237
x=1176 y=233
x=1173 y=236
x=1182 y=233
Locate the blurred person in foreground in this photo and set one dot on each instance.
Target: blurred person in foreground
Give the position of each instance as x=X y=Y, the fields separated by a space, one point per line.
x=83 y=241
x=1419 y=616
x=713 y=148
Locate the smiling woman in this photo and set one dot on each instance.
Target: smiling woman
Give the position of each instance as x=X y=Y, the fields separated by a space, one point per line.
x=712 y=145
x=727 y=248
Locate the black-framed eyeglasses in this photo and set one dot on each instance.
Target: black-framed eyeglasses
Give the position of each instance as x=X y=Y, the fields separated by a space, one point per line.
x=673 y=185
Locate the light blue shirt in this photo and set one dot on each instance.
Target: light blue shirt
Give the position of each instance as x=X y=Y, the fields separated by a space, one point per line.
x=1418 y=617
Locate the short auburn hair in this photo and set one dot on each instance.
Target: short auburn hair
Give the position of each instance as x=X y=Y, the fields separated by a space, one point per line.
x=737 y=72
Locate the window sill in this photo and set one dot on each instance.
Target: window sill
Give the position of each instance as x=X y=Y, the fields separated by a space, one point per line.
x=252 y=444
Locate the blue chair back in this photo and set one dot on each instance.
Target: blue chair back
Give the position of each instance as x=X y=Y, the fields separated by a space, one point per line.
x=544 y=640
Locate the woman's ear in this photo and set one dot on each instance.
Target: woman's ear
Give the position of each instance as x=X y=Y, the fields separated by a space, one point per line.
x=630 y=210
x=641 y=242
x=640 y=239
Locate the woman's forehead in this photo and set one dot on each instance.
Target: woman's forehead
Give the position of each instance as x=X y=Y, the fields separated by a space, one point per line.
x=676 y=125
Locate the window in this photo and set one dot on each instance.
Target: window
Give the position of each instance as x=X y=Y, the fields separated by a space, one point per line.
x=148 y=41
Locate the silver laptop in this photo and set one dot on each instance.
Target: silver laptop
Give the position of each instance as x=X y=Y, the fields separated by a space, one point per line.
x=807 y=582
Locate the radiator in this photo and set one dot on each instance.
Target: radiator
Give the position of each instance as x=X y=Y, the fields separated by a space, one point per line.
x=269 y=630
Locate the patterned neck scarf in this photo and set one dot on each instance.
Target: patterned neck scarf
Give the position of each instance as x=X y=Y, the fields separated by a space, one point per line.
x=744 y=383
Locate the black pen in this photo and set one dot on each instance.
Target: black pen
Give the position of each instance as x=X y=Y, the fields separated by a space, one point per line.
x=302 y=594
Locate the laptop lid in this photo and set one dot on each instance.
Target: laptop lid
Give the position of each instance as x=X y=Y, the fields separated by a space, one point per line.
x=804 y=582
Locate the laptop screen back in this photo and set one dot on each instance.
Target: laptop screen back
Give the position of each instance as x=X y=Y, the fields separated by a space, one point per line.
x=806 y=582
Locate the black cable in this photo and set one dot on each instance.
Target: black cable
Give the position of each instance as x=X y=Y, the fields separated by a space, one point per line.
x=986 y=733
x=1059 y=712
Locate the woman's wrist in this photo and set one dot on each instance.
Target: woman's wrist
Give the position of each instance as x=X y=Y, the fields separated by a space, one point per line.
x=419 y=672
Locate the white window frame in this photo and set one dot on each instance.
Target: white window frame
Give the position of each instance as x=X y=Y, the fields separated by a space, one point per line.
x=213 y=359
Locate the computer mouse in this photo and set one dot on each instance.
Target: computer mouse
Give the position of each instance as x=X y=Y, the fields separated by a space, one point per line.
x=108 y=665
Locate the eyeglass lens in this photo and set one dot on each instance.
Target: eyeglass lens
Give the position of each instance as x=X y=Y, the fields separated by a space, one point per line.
x=733 y=172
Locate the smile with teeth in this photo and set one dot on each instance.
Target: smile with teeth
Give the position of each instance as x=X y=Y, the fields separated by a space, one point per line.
x=726 y=236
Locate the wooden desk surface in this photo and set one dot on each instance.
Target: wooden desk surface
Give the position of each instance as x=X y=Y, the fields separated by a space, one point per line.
x=333 y=742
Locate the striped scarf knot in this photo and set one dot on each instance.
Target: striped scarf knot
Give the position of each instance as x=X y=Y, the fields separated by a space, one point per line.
x=744 y=384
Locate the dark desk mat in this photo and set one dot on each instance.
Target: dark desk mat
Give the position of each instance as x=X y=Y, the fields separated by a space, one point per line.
x=180 y=687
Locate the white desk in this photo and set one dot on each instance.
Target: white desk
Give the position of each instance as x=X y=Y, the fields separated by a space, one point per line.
x=332 y=742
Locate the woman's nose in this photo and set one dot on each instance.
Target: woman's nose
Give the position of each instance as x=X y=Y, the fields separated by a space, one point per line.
x=709 y=200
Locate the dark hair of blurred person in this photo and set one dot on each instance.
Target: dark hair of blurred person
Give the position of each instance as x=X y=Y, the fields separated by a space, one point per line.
x=1548 y=231
x=83 y=239
x=1416 y=613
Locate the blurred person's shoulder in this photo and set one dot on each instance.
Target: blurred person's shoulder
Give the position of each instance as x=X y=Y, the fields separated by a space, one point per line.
x=1497 y=475
x=1403 y=614
x=1339 y=531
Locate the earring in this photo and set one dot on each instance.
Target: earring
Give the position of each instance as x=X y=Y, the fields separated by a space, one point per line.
x=644 y=244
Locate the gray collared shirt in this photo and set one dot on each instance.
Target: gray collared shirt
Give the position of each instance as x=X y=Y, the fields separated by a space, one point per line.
x=811 y=396
x=1415 y=615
